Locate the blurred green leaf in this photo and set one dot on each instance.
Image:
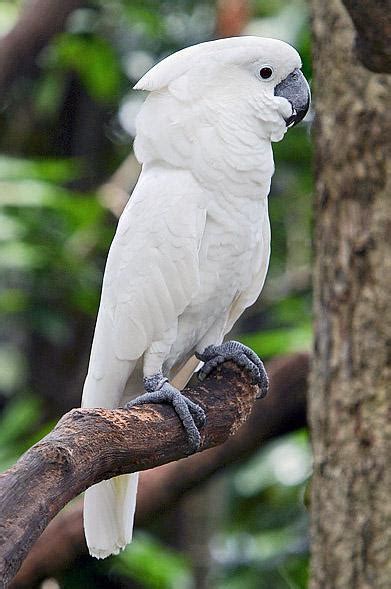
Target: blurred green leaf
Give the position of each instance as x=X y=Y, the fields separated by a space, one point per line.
x=94 y=60
x=18 y=418
x=12 y=300
x=10 y=228
x=285 y=461
x=32 y=193
x=12 y=368
x=19 y=256
x=8 y=16
x=276 y=342
x=149 y=20
x=51 y=170
x=20 y=428
x=152 y=564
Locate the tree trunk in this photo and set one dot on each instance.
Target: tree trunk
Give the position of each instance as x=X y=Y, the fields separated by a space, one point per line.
x=351 y=434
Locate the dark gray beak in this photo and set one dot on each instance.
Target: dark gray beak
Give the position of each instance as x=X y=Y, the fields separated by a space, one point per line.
x=295 y=89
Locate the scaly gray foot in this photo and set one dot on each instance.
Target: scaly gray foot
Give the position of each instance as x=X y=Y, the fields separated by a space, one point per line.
x=212 y=356
x=159 y=390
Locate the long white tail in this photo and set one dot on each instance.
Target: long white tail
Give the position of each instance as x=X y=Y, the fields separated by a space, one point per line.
x=109 y=506
x=109 y=510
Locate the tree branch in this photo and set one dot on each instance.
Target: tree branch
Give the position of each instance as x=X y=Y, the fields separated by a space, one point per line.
x=282 y=411
x=90 y=445
x=39 y=22
x=372 y=21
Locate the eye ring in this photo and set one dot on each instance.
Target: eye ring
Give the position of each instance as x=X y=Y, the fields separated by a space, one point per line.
x=266 y=72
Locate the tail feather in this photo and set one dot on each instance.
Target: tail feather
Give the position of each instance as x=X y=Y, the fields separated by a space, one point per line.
x=181 y=377
x=109 y=510
x=110 y=505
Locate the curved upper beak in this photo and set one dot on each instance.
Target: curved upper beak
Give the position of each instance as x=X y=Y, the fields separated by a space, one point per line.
x=295 y=88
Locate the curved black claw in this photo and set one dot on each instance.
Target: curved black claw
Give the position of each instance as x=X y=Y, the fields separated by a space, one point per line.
x=212 y=356
x=192 y=416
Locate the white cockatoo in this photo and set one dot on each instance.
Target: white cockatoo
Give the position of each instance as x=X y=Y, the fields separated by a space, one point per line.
x=192 y=246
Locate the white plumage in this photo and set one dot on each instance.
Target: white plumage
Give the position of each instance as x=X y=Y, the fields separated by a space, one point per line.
x=192 y=246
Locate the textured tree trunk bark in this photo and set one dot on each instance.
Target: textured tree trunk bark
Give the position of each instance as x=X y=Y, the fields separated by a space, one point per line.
x=349 y=408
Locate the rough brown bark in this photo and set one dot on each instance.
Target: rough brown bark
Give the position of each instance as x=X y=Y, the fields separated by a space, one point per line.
x=349 y=409
x=89 y=445
x=282 y=411
x=372 y=21
x=39 y=22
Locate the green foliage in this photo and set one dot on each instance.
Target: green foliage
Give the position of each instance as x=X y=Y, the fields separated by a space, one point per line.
x=148 y=17
x=44 y=169
x=264 y=544
x=94 y=60
x=8 y=15
x=52 y=234
x=152 y=564
x=275 y=342
x=20 y=428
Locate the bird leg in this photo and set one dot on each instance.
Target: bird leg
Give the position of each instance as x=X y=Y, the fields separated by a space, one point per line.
x=159 y=390
x=212 y=356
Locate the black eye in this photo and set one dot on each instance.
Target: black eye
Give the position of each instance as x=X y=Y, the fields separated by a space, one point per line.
x=265 y=72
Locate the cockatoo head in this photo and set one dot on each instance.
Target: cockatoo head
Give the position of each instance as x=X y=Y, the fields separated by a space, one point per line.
x=239 y=74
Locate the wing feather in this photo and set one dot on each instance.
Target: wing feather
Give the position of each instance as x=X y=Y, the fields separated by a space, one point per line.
x=248 y=297
x=152 y=271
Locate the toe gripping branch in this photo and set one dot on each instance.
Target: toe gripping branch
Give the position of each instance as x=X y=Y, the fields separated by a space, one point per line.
x=192 y=416
x=159 y=390
x=243 y=356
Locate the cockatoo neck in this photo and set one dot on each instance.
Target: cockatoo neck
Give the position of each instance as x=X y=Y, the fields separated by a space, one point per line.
x=233 y=151
x=223 y=141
